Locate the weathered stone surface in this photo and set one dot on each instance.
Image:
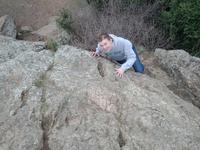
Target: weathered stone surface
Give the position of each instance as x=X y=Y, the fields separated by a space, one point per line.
x=185 y=70
x=141 y=112
x=20 y=104
x=70 y=100
x=11 y=48
x=7 y=26
x=153 y=69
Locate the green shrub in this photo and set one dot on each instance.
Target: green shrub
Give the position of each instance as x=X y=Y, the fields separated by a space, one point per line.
x=182 y=22
x=40 y=81
x=65 y=20
x=52 y=45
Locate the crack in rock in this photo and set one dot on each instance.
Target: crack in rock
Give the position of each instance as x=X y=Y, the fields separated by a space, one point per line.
x=45 y=126
x=121 y=140
x=40 y=47
x=47 y=120
x=23 y=97
x=100 y=69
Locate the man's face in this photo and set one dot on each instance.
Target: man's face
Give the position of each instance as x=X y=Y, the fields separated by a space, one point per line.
x=106 y=44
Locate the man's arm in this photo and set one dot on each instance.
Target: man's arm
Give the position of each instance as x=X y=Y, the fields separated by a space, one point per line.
x=130 y=55
x=98 y=49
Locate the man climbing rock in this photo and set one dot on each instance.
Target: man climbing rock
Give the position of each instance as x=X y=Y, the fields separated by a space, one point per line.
x=120 y=50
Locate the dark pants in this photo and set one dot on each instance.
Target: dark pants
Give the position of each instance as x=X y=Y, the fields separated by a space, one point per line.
x=137 y=66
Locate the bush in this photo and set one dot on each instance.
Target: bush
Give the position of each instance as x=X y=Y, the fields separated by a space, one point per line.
x=182 y=23
x=52 y=45
x=65 y=20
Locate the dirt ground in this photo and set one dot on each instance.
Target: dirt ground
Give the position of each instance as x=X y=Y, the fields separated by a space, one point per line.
x=35 y=13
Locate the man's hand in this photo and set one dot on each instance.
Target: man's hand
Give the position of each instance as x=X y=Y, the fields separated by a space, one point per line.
x=119 y=72
x=94 y=54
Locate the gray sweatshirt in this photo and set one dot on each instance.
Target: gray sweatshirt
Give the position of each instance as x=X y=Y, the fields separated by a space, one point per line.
x=122 y=50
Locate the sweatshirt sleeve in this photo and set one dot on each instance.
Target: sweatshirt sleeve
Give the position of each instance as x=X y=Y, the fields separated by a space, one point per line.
x=98 y=49
x=130 y=55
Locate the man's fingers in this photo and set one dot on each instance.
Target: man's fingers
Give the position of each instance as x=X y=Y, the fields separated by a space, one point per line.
x=118 y=74
x=93 y=54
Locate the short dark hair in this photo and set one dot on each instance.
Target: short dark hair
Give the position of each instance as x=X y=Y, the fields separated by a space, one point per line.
x=103 y=36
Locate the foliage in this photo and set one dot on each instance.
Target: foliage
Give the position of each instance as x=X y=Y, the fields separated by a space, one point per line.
x=65 y=20
x=52 y=45
x=182 y=21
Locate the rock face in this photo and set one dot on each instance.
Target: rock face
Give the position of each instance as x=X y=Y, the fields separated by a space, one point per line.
x=185 y=70
x=7 y=26
x=11 y=48
x=20 y=123
x=68 y=100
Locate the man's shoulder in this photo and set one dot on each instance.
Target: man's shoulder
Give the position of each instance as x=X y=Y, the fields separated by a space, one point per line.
x=117 y=37
x=113 y=36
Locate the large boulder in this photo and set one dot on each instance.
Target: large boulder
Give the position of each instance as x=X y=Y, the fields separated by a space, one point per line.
x=70 y=100
x=185 y=70
x=52 y=32
x=7 y=26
